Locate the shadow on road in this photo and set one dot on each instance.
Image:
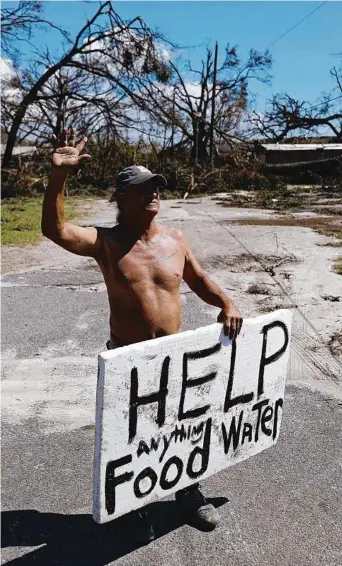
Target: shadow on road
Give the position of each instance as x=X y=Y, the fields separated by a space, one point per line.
x=76 y=539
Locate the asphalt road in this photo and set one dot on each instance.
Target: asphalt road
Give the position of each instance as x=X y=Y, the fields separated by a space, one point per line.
x=280 y=507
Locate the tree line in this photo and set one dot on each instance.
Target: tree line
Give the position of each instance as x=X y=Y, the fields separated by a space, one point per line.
x=130 y=90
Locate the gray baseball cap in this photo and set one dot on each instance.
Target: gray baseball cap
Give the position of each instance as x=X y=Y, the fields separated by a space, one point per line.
x=135 y=175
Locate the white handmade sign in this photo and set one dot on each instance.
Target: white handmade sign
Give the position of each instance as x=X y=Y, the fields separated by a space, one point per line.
x=175 y=410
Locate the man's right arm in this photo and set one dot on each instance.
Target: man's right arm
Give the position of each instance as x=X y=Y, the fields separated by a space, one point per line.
x=73 y=238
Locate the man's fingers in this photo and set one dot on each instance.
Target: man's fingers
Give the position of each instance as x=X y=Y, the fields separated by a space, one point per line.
x=64 y=137
x=81 y=145
x=85 y=156
x=238 y=324
x=231 y=325
x=54 y=141
x=229 y=328
x=72 y=137
x=238 y=327
x=232 y=330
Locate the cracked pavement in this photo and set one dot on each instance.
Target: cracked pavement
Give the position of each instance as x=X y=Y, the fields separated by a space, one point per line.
x=282 y=506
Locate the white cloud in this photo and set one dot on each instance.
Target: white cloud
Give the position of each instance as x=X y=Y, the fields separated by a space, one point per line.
x=7 y=73
x=6 y=69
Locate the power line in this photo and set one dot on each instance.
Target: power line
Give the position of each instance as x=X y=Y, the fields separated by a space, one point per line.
x=296 y=25
x=324 y=102
x=281 y=287
x=321 y=103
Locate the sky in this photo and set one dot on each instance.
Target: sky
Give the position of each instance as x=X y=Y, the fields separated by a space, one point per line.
x=302 y=58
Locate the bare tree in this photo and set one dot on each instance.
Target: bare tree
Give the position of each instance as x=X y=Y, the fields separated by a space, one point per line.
x=102 y=54
x=284 y=114
x=17 y=25
x=183 y=105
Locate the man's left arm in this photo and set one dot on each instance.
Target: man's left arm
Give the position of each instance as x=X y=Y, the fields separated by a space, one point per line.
x=207 y=290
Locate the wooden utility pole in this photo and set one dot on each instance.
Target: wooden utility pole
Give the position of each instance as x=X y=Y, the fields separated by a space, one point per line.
x=213 y=109
x=173 y=127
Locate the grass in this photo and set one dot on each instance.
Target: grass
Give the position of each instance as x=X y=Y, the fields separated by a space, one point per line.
x=256 y=289
x=170 y=195
x=282 y=199
x=20 y=219
x=265 y=308
x=329 y=211
x=323 y=225
x=338 y=266
x=335 y=343
x=331 y=234
x=337 y=244
x=278 y=200
x=177 y=195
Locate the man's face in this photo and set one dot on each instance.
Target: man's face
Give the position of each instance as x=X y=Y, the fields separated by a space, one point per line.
x=140 y=199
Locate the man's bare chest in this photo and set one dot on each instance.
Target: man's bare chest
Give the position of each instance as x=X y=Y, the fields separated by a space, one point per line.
x=160 y=264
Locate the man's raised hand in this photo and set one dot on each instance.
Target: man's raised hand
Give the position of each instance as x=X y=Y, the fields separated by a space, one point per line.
x=67 y=155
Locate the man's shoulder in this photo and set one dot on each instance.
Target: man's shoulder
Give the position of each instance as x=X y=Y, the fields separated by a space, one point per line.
x=171 y=231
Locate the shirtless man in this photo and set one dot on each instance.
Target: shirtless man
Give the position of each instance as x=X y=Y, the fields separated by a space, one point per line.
x=143 y=264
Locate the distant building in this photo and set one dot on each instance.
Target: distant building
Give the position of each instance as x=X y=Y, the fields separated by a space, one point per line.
x=286 y=153
x=20 y=150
